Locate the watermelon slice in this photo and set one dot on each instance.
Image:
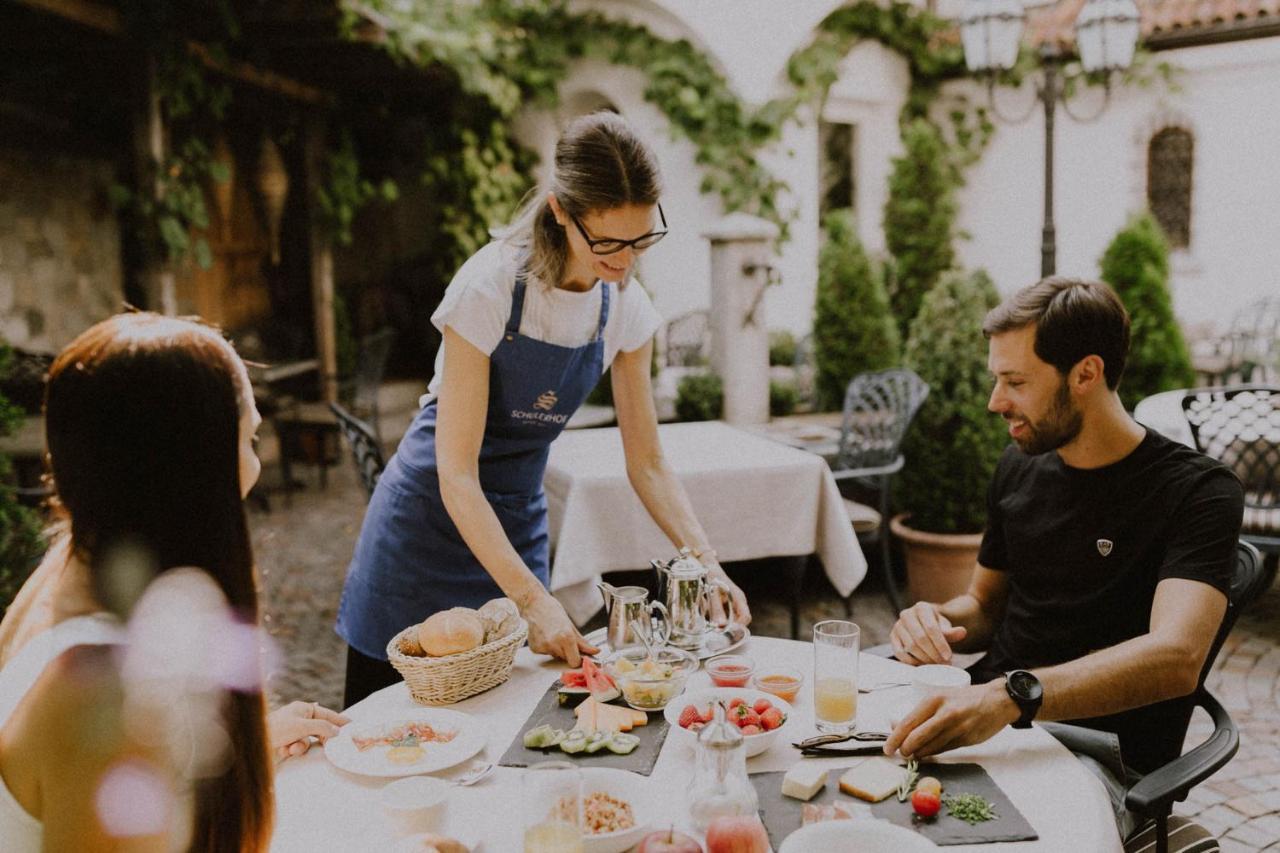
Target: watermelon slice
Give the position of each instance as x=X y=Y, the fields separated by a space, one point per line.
x=573 y=678
x=598 y=682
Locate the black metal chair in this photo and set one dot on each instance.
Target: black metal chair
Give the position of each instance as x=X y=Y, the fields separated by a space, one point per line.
x=1154 y=794
x=306 y=429
x=878 y=408
x=687 y=340
x=1240 y=427
x=365 y=448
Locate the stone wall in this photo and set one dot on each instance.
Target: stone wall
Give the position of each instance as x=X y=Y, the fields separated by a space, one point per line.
x=60 y=266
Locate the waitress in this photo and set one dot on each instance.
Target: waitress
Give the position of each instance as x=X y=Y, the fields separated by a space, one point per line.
x=530 y=322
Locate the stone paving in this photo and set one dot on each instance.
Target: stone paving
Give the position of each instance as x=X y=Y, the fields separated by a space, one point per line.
x=303 y=549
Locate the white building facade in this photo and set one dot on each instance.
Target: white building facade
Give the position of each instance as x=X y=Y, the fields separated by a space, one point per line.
x=1226 y=105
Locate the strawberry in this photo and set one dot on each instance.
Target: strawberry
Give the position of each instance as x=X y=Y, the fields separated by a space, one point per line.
x=689 y=716
x=771 y=719
x=706 y=714
x=761 y=706
x=744 y=717
x=751 y=730
x=735 y=702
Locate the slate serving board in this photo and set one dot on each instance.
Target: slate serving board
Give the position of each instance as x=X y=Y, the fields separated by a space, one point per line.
x=549 y=710
x=782 y=815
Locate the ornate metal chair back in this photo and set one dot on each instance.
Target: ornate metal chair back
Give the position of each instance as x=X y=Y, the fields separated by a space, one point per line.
x=364 y=447
x=878 y=408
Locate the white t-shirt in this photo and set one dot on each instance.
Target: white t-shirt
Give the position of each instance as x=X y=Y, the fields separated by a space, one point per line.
x=477 y=305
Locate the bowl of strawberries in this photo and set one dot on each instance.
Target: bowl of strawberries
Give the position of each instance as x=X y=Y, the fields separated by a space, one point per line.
x=758 y=715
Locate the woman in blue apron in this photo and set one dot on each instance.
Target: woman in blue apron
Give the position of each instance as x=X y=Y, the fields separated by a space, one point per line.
x=530 y=323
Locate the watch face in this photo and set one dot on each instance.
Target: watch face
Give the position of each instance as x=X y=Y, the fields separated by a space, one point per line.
x=1025 y=685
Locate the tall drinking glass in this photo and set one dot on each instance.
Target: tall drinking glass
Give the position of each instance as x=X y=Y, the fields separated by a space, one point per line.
x=835 y=676
x=553 y=808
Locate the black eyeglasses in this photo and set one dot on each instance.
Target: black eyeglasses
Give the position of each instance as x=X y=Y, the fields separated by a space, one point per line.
x=609 y=245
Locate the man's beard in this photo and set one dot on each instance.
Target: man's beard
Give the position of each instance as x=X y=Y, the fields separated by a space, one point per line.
x=1059 y=426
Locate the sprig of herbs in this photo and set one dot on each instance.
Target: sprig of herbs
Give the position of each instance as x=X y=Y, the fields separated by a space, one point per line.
x=909 y=780
x=970 y=808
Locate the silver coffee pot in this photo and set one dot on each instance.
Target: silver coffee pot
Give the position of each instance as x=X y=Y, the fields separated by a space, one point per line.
x=689 y=593
x=629 y=606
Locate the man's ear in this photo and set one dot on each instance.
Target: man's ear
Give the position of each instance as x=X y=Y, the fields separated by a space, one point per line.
x=1087 y=374
x=556 y=210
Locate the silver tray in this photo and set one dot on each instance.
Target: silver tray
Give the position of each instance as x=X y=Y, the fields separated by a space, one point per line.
x=714 y=642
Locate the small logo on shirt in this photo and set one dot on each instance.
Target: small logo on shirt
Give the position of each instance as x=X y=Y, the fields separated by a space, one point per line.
x=547 y=401
x=1105 y=546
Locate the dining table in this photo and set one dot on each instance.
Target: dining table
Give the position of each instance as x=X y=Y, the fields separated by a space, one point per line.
x=754 y=497
x=322 y=808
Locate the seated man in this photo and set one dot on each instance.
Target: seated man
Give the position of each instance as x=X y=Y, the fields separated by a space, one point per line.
x=1109 y=549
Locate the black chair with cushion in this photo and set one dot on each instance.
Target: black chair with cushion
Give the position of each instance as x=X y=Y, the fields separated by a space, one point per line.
x=1240 y=427
x=878 y=408
x=365 y=449
x=1151 y=797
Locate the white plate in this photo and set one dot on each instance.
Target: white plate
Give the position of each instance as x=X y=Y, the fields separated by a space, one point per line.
x=855 y=836
x=756 y=743
x=469 y=739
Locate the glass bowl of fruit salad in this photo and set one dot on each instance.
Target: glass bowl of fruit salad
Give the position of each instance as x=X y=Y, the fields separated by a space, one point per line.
x=759 y=716
x=649 y=683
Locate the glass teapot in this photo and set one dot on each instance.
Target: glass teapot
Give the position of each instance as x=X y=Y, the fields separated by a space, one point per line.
x=720 y=784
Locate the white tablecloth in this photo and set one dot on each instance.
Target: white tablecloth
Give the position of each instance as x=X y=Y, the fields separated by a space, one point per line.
x=322 y=808
x=754 y=497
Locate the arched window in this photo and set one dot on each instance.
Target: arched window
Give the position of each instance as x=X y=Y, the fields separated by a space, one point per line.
x=1169 y=183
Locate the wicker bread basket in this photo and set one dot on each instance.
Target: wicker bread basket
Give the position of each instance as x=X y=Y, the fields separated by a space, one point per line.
x=452 y=678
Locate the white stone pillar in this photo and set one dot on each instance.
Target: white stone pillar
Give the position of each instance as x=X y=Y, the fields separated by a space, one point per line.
x=741 y=268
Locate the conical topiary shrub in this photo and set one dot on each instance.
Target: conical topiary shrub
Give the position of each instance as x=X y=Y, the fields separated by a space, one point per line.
x=919 y=219
x=853 y=330
x=1136 y=264
x=952 y=447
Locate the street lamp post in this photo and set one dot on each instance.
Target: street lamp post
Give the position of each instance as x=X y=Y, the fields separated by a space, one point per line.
x=1106 y=37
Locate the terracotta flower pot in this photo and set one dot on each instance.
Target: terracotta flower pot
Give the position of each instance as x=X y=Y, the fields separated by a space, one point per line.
x=939 y=565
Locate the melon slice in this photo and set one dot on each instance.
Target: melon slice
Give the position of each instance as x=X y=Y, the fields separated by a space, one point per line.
x=598 y=682
x=596 y=717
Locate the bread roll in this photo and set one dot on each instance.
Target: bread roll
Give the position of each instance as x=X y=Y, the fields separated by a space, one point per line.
x=450 y=632
x=500 y=617
x=409 y=645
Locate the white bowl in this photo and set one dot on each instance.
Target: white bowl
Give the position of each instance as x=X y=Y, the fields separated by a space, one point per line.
x=934 y=676
x=756 y=744
x=415 y=802
x=624 y=785
x=855 y=836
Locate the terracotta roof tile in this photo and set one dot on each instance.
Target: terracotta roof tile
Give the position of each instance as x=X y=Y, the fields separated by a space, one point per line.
x=1056 y=21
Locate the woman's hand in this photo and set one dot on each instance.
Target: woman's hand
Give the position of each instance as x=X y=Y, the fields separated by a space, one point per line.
x=552 y=632
x=741 y=611
x=291 y=727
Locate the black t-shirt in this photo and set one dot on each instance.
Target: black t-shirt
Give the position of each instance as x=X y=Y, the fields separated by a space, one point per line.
x=1084 y=550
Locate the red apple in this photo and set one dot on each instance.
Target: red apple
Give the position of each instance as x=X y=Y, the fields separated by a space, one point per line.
x=668 y=841
x=740 y=834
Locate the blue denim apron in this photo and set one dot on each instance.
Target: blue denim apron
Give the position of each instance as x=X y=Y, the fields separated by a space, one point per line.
x=410 y=561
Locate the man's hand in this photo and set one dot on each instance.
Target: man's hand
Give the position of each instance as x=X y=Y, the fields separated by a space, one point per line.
x=949 y=719
x=551 y=632
x=923 y=635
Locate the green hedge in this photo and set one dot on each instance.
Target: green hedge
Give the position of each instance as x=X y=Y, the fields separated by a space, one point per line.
x=952 y=447
x=700 y=397
x=853 y=331
x=1136 y=264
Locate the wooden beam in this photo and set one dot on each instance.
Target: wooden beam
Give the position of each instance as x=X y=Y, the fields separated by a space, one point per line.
x=321 y=262
x=108 y=20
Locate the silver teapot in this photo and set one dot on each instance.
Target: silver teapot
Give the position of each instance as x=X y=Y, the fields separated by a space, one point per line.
x=629 y=607
x=689 y=593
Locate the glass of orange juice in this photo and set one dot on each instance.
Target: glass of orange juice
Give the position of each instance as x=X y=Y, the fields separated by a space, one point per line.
x=553 y=808
x=835 y=676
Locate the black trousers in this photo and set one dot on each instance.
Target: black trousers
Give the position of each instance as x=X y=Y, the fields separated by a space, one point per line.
x=366 y=675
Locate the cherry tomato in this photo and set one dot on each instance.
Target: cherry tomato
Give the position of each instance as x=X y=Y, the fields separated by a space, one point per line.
x=929 y=783
x=925 y=803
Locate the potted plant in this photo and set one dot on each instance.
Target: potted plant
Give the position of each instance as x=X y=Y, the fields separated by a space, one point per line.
x=954 y=443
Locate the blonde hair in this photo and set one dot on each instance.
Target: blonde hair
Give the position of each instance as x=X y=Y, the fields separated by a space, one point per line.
x=600 y=164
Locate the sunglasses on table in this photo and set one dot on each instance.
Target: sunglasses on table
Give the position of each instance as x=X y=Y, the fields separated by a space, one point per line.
x=610 y=245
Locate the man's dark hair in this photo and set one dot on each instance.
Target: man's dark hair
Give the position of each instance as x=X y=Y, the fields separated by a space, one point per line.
x=1074 y=318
